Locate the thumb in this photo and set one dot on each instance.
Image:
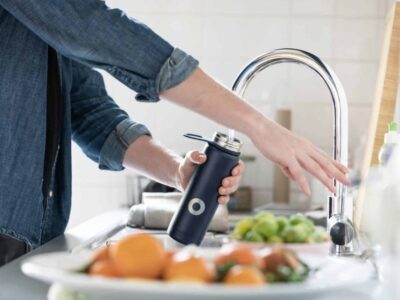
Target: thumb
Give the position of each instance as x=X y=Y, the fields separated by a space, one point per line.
x=195 y=157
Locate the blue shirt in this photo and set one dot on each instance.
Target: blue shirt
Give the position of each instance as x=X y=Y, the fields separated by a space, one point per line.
x=86 y=34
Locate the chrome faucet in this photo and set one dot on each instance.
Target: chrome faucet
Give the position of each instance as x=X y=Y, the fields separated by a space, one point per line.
x=339 y=225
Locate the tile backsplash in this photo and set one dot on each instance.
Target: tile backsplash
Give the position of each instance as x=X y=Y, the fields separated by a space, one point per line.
x=226 y=34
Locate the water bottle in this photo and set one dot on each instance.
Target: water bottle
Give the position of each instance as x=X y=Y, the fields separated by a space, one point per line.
x=391 y=139
x=200 y=200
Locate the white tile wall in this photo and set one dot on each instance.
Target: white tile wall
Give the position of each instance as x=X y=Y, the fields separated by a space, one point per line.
x=357 y=8
x=313 y=7
x=226 y=34
x=356 y=39
x=359 y=79
x=313 y=34
x=271 y=8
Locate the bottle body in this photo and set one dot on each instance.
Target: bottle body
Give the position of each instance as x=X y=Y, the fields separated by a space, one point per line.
x=385 y=152
x=200 y=201
x=391 y=139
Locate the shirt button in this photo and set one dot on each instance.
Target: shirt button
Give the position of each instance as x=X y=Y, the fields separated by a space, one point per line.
x=50 y=193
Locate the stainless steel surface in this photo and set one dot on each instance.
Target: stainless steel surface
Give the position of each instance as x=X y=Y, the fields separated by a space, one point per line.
x=340 y=124
x=224 y=141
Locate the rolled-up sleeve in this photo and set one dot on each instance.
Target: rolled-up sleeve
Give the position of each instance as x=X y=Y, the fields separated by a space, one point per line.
x=93 y=34
x=99 y=126
x=175 y=70
x=114 y=148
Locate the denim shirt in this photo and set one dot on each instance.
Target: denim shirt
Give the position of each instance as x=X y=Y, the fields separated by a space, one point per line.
x=86 y=35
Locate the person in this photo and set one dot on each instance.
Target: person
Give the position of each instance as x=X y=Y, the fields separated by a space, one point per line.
x=50 y=92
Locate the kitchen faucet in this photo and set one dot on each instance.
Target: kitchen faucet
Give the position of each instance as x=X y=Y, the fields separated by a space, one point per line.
x=344 y=240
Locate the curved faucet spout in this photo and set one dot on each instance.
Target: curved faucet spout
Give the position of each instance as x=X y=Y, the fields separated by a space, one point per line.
x=339 y=101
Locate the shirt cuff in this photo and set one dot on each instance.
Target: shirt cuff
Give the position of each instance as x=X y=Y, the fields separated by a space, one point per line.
x=113 y=151
x=176 y=69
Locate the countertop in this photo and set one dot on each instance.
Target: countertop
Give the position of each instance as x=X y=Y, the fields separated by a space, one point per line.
x=14 y=285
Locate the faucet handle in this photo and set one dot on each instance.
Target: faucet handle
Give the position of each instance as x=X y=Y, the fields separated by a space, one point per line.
x=341 y=230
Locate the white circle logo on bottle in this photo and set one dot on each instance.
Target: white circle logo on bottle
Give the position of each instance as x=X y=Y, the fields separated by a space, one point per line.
x=196 y=206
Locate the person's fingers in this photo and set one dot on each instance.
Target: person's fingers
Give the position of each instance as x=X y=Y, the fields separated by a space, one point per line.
x=196 y=157
x=330 y=168
x=227 y=190
x=231 y=181
x=312 y=167
x=334 y=172
x=239 y=169
x=286 y=171
x=341 y=167
x=298 y=175
x=223 y=199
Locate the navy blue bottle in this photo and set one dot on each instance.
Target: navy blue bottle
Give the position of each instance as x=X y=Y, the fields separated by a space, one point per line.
x=200 y=200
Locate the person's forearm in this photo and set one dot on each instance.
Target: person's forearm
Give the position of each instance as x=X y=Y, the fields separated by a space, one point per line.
x=202 y=94
x=292 y=153
x=149 y=158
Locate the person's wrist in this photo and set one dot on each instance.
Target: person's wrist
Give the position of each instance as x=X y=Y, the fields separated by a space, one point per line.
x=256 y=126
x=176 y=175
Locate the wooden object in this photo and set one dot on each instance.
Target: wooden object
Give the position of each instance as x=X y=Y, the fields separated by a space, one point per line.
x=281 y=184
x=384 y=104
x=241 y=200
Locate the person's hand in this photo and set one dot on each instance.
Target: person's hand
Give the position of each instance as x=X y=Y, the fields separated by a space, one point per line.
x=295 y=155
x=188 y=165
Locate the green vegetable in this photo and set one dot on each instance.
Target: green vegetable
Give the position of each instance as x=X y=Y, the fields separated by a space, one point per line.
x=253 y=236
x=223 y=269
x=275 y=239
x=283 y=272
x=300 y=274
x=286 y=274
x=282 y=222
x=296 y=277
x=310 y=240
x=271 y=277
x=266 y=227
x=295 y=234
x=297 y=219
x=242 y=227
x=319 y=235
x=264 y=215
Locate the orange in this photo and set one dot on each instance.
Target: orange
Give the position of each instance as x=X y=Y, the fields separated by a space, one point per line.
x=188 y=267
x=103 y=268
x=139 y=255
x=244 y=275
x=238 y=254
x=101 y=254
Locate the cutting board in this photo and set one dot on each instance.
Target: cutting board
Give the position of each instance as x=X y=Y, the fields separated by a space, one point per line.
x=384 y=104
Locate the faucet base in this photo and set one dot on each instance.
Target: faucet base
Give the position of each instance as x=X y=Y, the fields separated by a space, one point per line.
x=344 y=237
x=345 y=251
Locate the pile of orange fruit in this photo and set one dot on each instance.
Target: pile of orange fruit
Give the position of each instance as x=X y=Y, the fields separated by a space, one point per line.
x=142 y=256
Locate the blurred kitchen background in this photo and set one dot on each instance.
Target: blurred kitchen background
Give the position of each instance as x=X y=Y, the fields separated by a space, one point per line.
x=225 y=35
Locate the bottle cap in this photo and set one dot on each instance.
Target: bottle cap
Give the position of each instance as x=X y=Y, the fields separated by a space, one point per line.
x=392 y=126
x=224 y=141
x=392 y=136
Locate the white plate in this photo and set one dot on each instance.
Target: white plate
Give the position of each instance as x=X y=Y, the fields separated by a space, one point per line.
x=314 y=248
x=334 y=273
